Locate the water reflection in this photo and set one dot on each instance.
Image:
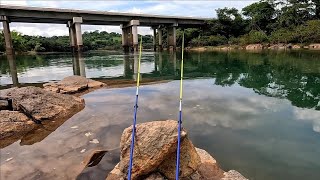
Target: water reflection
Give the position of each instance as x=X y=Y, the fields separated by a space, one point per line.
x=262 y=137
x=292 y=75
x=13 y=69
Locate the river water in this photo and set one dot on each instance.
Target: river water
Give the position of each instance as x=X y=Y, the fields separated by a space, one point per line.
x=255 y=112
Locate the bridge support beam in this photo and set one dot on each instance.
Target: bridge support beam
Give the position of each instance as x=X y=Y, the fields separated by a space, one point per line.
x=160 y=32
x=130 y=35
x=77 y=33
x=7 y=35
x=172 y=37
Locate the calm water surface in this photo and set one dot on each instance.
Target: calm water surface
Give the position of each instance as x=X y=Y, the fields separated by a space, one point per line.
x=258 y=113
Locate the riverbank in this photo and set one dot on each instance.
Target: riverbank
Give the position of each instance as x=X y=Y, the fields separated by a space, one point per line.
x=314 y=46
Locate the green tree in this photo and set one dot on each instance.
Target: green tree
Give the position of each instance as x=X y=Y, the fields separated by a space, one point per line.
x=261 y=15
x=282 y=36
x=230 y=22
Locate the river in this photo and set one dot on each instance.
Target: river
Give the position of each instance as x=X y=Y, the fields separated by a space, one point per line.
x=255 y=112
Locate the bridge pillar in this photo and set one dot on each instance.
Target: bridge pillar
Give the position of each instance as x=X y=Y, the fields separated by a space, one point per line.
x=160 y=32
x=154 y=42
x=130 y=35
x=71 y=36
x=7 y=35
x=172 y=37
x=76 y=31
x=125 y=40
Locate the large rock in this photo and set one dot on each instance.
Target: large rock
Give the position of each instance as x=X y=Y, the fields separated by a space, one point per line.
x=254 y=47
x=154 y=142
x=40 y=105
x=155 y=156
x=72 y=84
x=32 y=105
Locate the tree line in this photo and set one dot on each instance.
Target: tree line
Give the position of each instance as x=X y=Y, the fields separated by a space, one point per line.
x=95 y=40
x=266 y=21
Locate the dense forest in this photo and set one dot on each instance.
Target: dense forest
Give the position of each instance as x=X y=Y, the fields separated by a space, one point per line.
x=267 y=21
x=91 y=41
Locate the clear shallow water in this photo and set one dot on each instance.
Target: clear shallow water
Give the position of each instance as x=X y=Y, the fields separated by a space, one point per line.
x=254 y=112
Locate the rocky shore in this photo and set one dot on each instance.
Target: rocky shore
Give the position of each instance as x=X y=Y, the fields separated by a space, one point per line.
x=155 y=156
x=31 y=113
x=250 y=47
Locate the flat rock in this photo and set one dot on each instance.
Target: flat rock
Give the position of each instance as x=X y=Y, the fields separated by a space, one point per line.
x=154 y=142
x=14 y=122
x=72 y=84
x=32 y=105
x=40 y=105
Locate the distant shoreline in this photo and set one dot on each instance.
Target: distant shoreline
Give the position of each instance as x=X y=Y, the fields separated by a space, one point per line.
x=249 y=47
x=256 y=47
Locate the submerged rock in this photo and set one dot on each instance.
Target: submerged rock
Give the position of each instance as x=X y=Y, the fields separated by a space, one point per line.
x=33 y=105
x=155 y=156
x=72 y=84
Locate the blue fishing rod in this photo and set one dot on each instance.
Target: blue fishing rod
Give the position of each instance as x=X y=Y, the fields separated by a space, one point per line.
x=180 y=113
x=135 y=115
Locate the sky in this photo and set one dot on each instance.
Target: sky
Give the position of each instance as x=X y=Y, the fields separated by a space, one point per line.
x=165 y=7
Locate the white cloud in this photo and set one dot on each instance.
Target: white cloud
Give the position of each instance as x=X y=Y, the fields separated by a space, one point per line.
x=308 y=115
x=15 y=3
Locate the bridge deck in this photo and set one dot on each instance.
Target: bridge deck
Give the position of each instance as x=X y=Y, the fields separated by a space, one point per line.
x=62 y=16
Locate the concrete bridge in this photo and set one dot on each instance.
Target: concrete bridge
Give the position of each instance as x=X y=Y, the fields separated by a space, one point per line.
x=128 y=22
